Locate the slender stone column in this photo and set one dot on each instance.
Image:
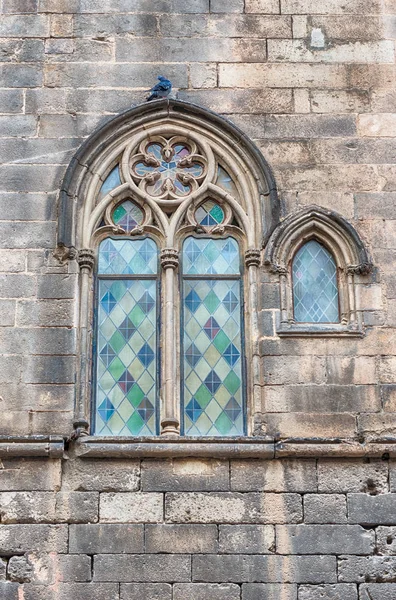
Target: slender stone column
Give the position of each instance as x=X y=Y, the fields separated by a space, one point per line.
x=86 y=261
x=170 y=424
x=252 y=262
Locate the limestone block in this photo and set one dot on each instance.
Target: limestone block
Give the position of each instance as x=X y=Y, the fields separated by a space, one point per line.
x=262 y=6
x=206 y=591
x=227 y=6
x=19 y=569
x=232 y=508
x=340 y=7
x=106 y=539
x=248 y=26
x=323 y=539
x=386 y=540
x=359 y=569
x=273 y=476
x=18 y=539
x=19 y=6
x=148 y=591
x=30 y=474
x=245 y=75
x=71 y=591
x=372 y=510
x=246 y=539
x=269 y=591
x=378 y=591
x=61 y=25
x=77 y=507
x=342 y=371
x=203 y=75
x=340 y=591
x=109 y=475
x=27 y=507
x=311 y=425
x=11 y=101
x=325 y=508
x=138 y=567
x=340 y=101
x=341 y=476
x=358 y=52
x=266 y=569
x=131 y=508
x=48 y=369
x=185 y=475
x=20 y=76
x=377 y=125
x=181 y=539
x=242 y=101
x=24 y=25
x=387 y=369
x=9 y=590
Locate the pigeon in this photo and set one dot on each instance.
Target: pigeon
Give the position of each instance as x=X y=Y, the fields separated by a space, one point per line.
x=161 y=89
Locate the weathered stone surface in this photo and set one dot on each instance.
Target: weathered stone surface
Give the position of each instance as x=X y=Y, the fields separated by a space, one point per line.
x=372 y=510
x=340 y=476
x=273 y=476
x=268 y=591
x=325 y=508
x=323 y=539
x=232 y=508
x=30 y=474
x=362 y=569
x=106 y=539
x=18 y=539
x=19 y=569
x=148 y=591
x=380 y=591
x=110 y=475
x=9 y=590
x=181 y=539
x=70 y=591
x=206 y=591
x=131 y=508
x=149 y=567
x=246 y=539
x=340 y=591
x=185 y=475
x=271 y=569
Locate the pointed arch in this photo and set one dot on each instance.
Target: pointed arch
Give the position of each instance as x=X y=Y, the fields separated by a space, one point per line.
x=351 y=258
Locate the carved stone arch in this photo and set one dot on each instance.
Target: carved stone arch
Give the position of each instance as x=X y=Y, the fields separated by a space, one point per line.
x=350 y=255
x=102 y=150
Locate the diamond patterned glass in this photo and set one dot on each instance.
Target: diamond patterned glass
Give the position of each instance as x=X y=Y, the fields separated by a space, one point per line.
x=126 y=369
x=209 y=214
x=112 y=181
x=127 y=215
x=203 y=256
x=213 y=393
x=315 y=289
x=225 y=181
x=127 y=257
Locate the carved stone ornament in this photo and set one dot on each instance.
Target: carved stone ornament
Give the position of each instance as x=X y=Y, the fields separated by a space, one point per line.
x=168 y=168
x=86 y=259
x=63 y=253
x=253 y=258
x=169 y=258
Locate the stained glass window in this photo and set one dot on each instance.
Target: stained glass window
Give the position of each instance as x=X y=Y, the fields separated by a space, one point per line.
x=209 y=214
x=126 y=338
x=112 y=181
x=213 y=388
x=315 y=289
x=127 y=215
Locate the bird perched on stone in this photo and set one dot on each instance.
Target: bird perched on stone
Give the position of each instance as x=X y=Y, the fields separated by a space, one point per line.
x=161 y=89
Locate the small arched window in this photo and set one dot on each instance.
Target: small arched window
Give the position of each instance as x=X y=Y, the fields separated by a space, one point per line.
x=317 y=255
x=315 y=286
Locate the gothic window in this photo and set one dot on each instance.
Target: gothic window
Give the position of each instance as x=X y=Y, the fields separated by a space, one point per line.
x=170 y=212
x=318 y=257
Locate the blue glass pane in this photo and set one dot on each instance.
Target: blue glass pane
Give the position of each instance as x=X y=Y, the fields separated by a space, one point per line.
x=127 y=358
x=202 y=256
x=315 y=290
x=112 y=181
x=212 y=349
x=209 y=214
x=128 y=257
x=224 y=180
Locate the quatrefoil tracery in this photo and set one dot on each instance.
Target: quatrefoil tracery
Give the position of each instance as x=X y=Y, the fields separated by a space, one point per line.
x=168 y=169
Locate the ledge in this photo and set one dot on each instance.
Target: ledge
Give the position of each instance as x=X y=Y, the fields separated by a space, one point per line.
x=174 y=447
x=223 y=448
x=314 y=330
x=21 y=446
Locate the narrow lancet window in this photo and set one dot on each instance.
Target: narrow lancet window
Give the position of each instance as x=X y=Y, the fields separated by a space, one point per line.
x=315 y=288
x=126 y=334
x=212 y=334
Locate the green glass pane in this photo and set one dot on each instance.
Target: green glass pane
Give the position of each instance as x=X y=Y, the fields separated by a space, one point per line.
x=213 y=399
x=128 y=257
x=126 y=392
x=209 y=214
x=315 y=290
x=128 y=215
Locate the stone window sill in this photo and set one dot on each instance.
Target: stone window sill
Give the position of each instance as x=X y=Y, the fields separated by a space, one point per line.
x=31 y=446
x=318 y=330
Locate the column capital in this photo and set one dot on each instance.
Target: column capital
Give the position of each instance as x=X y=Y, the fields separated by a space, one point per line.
x=169 y=258
x=252 y=257
x=86 y=259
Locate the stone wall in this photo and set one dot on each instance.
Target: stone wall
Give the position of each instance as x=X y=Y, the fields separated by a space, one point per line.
x=313 y=83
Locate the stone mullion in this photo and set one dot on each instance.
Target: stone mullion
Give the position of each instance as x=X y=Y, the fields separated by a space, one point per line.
x=170 y=421
x=86 y=263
